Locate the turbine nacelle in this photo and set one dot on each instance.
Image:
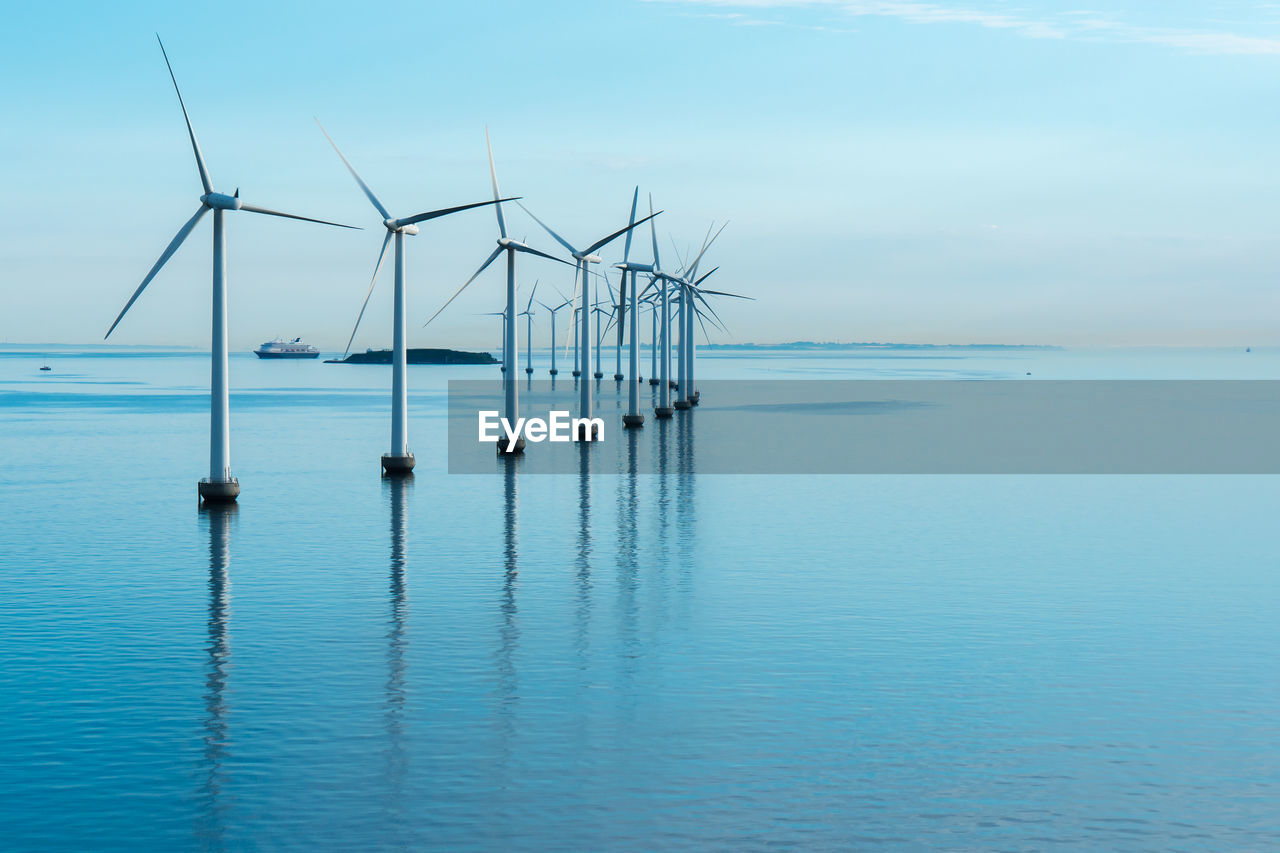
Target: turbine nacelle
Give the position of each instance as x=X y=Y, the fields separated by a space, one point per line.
x=220 y=201
x=590 y=259
x=633 y=267
x=394 y=225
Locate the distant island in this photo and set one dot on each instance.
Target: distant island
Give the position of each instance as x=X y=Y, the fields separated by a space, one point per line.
x=417 y=356
x=824 y=345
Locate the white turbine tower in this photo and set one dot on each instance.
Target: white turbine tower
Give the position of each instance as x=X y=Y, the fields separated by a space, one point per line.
x=632 y=418
x=553 y=312
x=527 y=313
x=220 y=485
x=586 y=257
x=505 y=244
x=400 y=460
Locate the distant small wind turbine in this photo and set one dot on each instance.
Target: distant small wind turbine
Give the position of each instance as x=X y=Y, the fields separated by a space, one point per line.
x=586 y=257
x=400 y=460
x=527 y=313
x=220 y=485
x=553 y=312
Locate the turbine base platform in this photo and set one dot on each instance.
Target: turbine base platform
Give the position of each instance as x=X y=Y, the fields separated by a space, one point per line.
x=395 y=465
x=653 y=381
x=577 y=373
x=503 y=442
x=598 y=375
x=632 y=421
x=696 y=398
x=663 y=412
x=617 y=377
x=683 y=404
x=528 y=370
x=553 y=372
x=218 y=491
x=581 y=434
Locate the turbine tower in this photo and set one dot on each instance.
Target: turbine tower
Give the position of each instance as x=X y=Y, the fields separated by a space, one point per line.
x=221 y=484
x=400 y=460
x=632 y=418
x=553 y=312
x=586 y=257
x=527 y=313
x=505 y=244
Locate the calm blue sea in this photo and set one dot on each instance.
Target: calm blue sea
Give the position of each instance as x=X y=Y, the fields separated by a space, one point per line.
x=590 y=662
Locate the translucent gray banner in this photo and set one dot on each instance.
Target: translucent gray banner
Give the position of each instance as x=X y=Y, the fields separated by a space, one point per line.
x=891 y=427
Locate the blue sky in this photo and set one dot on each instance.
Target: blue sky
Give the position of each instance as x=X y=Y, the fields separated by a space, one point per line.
x=972 y=172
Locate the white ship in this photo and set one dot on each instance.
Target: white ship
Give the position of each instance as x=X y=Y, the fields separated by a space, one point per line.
x=286 y=349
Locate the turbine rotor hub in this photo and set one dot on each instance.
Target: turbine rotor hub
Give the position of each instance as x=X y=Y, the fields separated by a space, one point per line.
x=393 y=225
x=220 y=201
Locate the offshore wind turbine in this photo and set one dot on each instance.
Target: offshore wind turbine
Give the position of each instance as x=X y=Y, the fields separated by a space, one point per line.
x=510 y=247
x=527 y=313
x=552 y=312
x=400 y=460
x=688 y=309
x=632 y=418
x=586 y=257
x=221 y=484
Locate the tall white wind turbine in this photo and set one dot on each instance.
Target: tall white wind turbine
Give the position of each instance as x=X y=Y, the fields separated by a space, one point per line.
x=632 y=418
x=586 y=257
x=220 y=485
x=400 y=460
x=510 y=247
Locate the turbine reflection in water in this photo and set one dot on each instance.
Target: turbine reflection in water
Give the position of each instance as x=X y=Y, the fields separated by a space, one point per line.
x=397 y=753
x=218 y=519
x=508 y=683
x=583 y=642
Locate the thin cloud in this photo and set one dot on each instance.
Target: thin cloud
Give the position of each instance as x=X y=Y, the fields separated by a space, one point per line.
x=1080 y=24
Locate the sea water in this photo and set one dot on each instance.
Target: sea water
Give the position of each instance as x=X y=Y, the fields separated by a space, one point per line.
x=591 y=661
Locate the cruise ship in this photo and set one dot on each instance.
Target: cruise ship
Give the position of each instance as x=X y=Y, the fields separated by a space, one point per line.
x=286 y=349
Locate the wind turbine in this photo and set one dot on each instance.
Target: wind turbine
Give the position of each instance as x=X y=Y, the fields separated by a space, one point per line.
x=528 y=336
x=632 y=418
x=220 y=485
x=400 y=460
x=553 y=312
x=586 y=257
x=684 y=281
x=505 y=244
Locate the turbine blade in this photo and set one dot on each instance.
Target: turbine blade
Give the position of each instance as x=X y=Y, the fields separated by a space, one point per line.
x=722 y=293
x=352 y=169
x=269 y=212
x=372 y=281
x=705 y=277
x=493 y=175
x=653 y=232
x=707 y=305
x=626 y=250
x=521 y=247
x=483 y=267
x=182 y=234
x=600 y=244
x=445 y=211
x=531 y=293
x=195 y=146
x=693 y=270
x=554 y=235
x=706 y=337
x=679 y=255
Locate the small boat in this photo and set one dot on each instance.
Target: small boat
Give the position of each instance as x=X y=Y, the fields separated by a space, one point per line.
x=46 y=367
x=286 y=349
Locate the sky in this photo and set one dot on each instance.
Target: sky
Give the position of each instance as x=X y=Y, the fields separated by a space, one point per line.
x=932 y=172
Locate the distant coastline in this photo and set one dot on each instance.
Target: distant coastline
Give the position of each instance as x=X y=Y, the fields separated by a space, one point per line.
x=826 y=345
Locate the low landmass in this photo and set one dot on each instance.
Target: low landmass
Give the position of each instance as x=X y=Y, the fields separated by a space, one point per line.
x=824 y=345
x=417 y=355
